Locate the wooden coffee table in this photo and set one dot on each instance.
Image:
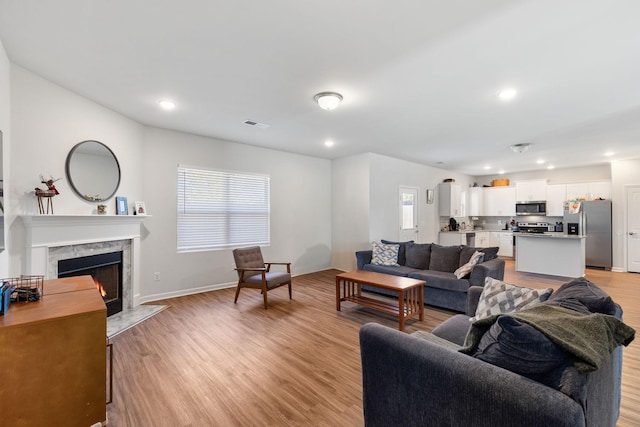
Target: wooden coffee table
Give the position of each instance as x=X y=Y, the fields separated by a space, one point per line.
x=410 y=293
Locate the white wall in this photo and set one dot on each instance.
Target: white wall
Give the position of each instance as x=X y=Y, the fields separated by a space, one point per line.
x=366 y=202
x=622 y=173
x=350 y=209
x=5 y=120
x=300 y=211
x=554 y=176
x=46 y=122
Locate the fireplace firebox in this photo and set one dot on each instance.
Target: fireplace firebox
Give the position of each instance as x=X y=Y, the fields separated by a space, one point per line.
x=106 y=271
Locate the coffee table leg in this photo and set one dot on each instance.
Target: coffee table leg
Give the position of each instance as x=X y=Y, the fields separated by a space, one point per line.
x=401 y=297
x=337 y=294
x=421 y=302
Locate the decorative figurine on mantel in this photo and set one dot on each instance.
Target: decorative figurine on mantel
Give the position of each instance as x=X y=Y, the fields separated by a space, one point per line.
x=49 y=193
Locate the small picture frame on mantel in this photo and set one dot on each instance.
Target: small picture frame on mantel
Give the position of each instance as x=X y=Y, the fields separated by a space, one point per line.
x=140 y=209
x=122 y=208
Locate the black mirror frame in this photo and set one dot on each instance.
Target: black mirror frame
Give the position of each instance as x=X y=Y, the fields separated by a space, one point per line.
x=73 y=186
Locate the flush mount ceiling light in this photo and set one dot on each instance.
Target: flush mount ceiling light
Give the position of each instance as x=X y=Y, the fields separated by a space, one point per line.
x=166 y=104
x=507 y=94
x=328 y=100
x=520 y=148
x=329 y=143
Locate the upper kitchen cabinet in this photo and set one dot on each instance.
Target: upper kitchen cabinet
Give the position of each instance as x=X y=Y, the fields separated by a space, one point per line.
x=499 y=201
x=534 y=190
x=589 y=190
x=476 y=201
x=556 y=196
x=450 y=200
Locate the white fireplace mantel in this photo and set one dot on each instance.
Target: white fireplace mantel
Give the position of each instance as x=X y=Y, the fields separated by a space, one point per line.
x=47 y=231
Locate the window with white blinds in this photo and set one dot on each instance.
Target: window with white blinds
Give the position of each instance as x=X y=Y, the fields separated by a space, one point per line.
x=221 y=209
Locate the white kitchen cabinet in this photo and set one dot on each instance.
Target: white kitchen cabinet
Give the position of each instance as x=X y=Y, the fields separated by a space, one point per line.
x=483 y=239
x=534 y=190
x=449 y=238
x=494 y=238
x=589 y=190
x=556 y=196
x=450 y=200
x=499 y=201
x=505 y=244
x=476 y=201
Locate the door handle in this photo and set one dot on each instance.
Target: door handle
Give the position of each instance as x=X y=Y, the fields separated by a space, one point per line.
x=632 y=233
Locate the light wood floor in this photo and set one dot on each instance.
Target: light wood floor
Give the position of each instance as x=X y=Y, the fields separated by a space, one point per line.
x=208 y=362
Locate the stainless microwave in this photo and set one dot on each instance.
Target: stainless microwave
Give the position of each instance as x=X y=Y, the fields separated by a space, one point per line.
x=531 y=208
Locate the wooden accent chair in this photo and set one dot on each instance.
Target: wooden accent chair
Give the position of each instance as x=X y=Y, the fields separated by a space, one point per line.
x=253 y=272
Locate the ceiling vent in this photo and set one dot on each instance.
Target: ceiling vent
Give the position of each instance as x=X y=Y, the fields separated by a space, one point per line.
x=256 y=124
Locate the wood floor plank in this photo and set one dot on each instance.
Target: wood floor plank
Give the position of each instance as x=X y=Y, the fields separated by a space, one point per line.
x=206 y=361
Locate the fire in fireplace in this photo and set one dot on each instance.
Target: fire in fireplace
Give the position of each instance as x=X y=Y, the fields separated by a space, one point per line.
x=106 y=270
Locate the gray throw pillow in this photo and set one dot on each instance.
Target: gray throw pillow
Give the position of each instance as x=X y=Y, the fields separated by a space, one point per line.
x=418 y=255
x=444 y=258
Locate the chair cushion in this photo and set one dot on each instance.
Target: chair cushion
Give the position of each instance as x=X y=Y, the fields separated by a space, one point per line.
x=248 y=257
x=273 y=279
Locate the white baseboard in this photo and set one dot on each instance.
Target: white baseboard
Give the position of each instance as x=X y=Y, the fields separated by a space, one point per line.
x=183 y=292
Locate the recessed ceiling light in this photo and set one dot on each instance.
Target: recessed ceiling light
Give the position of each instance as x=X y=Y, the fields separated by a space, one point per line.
x=501 y=172
x=329 y=143
x=540 y=161
x=551 y=167
x=166 y=104
x=507 y=94
x=486 y=167
x=609 y=153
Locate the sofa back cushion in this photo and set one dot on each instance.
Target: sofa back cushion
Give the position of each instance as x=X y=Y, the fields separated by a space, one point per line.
x=401 y=249
x=467 y=252
x=584 y=296
x=418 y=255
x=444 y=258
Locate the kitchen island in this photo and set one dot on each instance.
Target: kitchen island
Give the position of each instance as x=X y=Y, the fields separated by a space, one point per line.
x=556 y=254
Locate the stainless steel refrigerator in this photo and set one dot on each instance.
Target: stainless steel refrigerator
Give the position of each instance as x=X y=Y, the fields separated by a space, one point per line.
x=594 y=222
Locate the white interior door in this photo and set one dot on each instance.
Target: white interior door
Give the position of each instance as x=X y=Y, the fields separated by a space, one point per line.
x=633 y=229
x=408 y=214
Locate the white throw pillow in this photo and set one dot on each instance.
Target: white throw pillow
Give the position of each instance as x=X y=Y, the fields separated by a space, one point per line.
x=385 y=254
x=466 y=269
x=499 y=297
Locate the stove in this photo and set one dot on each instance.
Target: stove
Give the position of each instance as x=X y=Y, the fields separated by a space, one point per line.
x=533 y=227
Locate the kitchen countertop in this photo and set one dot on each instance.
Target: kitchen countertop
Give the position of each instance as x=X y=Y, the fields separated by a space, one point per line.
x=552 y=235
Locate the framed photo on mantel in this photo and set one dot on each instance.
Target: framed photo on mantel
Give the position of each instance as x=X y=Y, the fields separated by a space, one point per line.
x=122 y=208
x=140 y=209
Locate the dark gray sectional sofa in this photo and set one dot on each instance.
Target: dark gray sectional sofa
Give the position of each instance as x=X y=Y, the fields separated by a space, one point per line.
x=435 y=264
x=426 y=379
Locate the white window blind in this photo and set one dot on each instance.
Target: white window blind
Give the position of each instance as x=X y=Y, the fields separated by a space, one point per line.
x=221 y=209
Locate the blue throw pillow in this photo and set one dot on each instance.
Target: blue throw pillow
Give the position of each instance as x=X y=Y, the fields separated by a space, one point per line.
x=401 y=249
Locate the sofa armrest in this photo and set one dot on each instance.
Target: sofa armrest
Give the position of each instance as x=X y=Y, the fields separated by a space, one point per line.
x=363 y=257
x=473 y=297
x=492 y=268
x=409 y=381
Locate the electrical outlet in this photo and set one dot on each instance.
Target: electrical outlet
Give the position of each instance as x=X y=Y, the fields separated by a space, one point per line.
x=156 y=276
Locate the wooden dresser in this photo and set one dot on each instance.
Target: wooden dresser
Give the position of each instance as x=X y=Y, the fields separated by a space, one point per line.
x=53 y=357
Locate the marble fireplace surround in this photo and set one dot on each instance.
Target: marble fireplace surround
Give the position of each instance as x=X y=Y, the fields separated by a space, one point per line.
x=50 y=238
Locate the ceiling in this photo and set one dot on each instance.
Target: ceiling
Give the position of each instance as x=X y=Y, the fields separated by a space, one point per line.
x=419 y=77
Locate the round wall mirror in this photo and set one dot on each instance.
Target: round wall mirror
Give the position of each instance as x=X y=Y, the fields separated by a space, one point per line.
x=93 y=171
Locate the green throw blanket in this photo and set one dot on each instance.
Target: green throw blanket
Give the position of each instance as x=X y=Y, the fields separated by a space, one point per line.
x=589 y=339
